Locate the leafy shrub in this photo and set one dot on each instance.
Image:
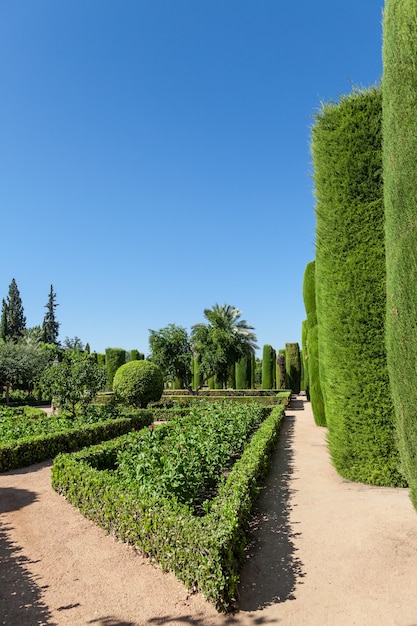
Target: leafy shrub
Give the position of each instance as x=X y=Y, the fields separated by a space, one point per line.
x=205 y=552
x=139 y=382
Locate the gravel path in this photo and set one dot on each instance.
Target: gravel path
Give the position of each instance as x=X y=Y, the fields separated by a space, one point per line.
x=323 y=551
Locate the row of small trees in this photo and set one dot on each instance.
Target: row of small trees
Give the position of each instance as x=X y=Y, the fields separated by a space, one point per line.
x=359 y=293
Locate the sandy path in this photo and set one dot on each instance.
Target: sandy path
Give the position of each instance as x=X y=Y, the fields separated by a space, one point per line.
x=324 y=551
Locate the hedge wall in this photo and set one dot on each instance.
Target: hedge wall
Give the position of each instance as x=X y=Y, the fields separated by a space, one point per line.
x=400 y=196
x=244 y=372
x=305 y=383
x=350 y=288
x=315 y=392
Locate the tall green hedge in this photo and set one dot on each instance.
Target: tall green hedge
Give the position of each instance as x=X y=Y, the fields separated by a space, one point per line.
x=115 y=357
x=312 y=352
x=293 y=366
x=399 y=85
x=268 y=367
x=350 y=288
x=305 y=383
x=244 y=372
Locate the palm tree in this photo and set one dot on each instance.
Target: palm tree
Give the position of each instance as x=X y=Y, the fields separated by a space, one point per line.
x=222 y=341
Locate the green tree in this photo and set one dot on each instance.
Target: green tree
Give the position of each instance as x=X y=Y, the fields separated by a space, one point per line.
x=3 y=321
x=221 y=342
x=15 y=320
x=73 y=382
x=21 y=365
x=73 y=343
x=171 y=351
x=50 y=326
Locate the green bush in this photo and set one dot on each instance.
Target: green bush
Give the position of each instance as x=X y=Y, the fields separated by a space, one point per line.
x=399 y=89
x=204 y=551
x=350 y=289
x=115 y=358
x=139 y=382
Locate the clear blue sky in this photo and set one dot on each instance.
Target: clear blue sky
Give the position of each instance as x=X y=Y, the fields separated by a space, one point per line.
x=155 y=156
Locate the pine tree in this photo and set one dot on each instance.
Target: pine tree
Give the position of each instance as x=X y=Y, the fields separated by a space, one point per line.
x=15 y=318
x=3 y=321
x=50 y=327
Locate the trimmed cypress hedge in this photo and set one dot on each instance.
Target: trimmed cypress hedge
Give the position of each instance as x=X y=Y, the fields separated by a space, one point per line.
x=350 y=289
x=312 y=353
x=268 y=367
x=115 y=358
x=399 y=85
x=293 y=366
x=305 y=382
x=244 y=372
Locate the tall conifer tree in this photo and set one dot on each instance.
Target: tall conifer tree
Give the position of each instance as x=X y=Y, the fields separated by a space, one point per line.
x=50 y=327
x=15 y=318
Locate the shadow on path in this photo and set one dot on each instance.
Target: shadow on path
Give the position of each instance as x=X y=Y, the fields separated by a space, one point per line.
x=20 y=596
x=272 y=570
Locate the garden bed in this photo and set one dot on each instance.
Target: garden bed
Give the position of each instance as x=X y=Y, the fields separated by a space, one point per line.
x=203 y=551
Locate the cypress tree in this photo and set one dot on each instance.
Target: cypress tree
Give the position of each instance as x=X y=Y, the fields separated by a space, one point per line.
x=312 y=352
x=350 y=288
x=3 y=321
x=281 y=370
x=50 y=327
x=16 y=320
x=293 y=366
x=305 y=384
x=399 y=88
x=268 y=367
x=115 y=358
x=244 y=372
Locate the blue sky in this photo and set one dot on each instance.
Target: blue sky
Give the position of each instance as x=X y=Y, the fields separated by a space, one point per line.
x=155 y=156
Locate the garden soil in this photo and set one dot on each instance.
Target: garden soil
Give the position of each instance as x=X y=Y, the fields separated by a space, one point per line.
x=322 y=551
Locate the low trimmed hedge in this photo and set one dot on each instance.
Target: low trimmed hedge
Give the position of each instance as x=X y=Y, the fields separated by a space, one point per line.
x=203 y=552
x=27 y=451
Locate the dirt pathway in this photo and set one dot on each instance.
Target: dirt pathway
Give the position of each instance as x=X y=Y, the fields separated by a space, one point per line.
x=324 y=551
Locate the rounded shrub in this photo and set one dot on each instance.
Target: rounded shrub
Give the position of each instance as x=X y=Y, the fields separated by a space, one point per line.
x=138 y=382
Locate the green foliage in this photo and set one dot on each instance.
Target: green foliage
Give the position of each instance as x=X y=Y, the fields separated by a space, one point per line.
x=171 y=352
x=13 y=320
x=244 y=372
x=206 y=551
x=21 y=364
x=35 y=448
x=221 y=342
x=268 y=367
x=139 y=382
x=304 y=359
x=350 y=289
x=115 y=358
x=73 y=382
x=135 y=355
x=50 y=326
x=186 y=461
x=281 y=370
x=293 y=366
x=311 y=352
x=399 y=88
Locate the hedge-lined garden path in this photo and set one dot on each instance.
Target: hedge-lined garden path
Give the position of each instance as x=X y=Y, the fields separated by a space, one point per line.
x=324 y=551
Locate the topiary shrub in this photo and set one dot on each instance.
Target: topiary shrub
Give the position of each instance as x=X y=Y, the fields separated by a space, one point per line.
x=139 y=382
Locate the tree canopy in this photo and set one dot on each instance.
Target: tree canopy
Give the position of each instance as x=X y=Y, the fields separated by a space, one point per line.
x=220 y=342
